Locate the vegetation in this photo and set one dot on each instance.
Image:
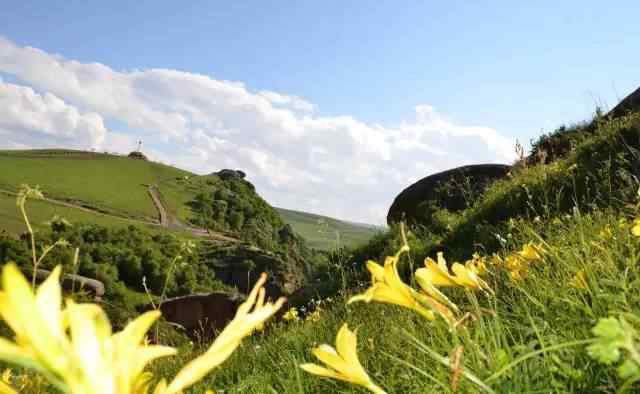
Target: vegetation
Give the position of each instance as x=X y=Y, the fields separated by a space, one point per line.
x=325 y=233
x=80 y=177
x=114 y=190
x=561 y=314
x=531 y=288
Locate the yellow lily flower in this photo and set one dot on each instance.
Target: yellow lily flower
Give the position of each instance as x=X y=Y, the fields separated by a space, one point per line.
x=291 y=314
x=635 y=230
x=531 y=252
x=437 y=274
x=250 y=315
x=344 y=363
x=579 y=281
x=477 y=264
x=388 y=287
x=75 y=350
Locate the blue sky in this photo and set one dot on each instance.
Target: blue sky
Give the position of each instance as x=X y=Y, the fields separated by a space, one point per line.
x=515 y=68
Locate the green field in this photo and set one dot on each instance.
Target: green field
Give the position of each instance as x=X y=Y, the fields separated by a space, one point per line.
x=325 y=233
x=108 y=183
x=40 y=212
x=117 y=186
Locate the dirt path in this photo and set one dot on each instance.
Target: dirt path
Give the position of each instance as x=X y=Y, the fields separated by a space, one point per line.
x=153 y=192
x=162 y=211
x=84 y=209
x=167 y=220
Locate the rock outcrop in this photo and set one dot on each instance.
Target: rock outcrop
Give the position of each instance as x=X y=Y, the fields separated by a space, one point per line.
x=476 y=178
x=629 y=103
x=200 y=314
x=76 y=283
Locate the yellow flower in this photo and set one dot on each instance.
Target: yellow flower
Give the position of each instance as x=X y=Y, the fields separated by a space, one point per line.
x=76 y=351
x=606 y=233
x=531 y=252
x=477 y=264
x=635 y=230
x=579 y=281
x=313 y=316
x=344 y=363
x=387 y=287
x=250 y=315
x=437 y=274
x=291 y=314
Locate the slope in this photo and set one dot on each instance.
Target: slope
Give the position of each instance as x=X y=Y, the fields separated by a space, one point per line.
x=326 y=233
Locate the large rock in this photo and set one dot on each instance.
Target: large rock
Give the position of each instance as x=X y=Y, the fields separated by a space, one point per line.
x=406 y=205
x=71 y=282
x=629 y=103
x=202 y=314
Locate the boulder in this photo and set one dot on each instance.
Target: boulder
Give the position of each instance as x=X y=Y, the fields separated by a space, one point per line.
x=406 y=205
x=75 y=282
x=200 y=314
x=629 y=103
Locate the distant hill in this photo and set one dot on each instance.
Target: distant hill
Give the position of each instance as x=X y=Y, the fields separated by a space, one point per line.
x=323 y=232
x=116 y=190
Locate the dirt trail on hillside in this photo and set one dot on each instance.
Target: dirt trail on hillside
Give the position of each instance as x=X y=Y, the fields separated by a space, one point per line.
x=83 y=208
x=167 y=220
x=162 y=211
x=155 y=197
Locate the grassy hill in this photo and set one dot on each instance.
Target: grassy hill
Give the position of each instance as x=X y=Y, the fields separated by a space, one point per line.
x=544 y=298
x=325 y=233
x=114 y=189
x=108 y=183
x=557 y=245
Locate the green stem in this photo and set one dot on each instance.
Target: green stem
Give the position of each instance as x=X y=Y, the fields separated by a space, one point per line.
x=33 y=241
x=376 y=389
x=535 y=353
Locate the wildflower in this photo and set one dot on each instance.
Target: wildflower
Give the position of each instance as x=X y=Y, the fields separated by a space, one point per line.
x=537 y=219
x=437 y=274
x=622 y=222
x=635 y=230
x=579 y=281
x=477 y=264
x=314 y=316
x=606 y=233
x=531 y=252
x=250 y=315
x=387 y=287
x=344 y=363
x=76 y=351
x=291 y=314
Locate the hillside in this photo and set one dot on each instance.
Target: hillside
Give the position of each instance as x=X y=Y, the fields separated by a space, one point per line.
x=544 y=298
x=325 y=233
x=532 y=287
x=116 y=190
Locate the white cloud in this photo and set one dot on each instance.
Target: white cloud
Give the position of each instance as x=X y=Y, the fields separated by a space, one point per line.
x=296 y=158
x=28 y=118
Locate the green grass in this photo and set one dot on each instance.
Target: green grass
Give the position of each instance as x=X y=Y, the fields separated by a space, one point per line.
x=117 y=185
x=110 y=183
x=504 y=339
x=41 y=211
x=325 y=233
x=531 y=336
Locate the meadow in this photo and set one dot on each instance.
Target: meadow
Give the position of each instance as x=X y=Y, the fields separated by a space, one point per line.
x=544 y=297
